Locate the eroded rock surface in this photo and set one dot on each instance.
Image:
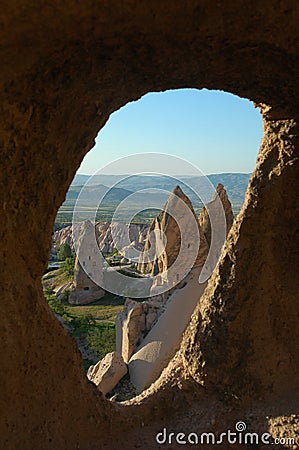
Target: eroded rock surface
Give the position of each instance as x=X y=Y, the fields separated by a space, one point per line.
x=104 y=233
x=172 y=242
x=88 y=267
x=213 y=209
x=164 y=338
x=65 y=67
x=107 y=372
x=134 y=322
x=130 y=325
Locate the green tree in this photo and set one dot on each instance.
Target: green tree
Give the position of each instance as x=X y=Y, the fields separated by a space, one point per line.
x=64 y=252
x=68 y=267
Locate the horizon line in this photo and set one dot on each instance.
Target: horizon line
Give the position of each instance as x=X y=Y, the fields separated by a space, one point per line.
x=161 y=175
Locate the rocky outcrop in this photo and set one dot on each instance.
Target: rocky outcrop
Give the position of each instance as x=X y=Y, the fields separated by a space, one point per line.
x=130 y=325
x=65 y=68
x=107 y=234
x=134 y=322
x=63 y=236
x=104 y=234
x=165 y=234
x=213 y=209
x=163 y=247
x=164 y=338
x=164 y=243
x=87 y=268
x=107 y=372
x=158 y=346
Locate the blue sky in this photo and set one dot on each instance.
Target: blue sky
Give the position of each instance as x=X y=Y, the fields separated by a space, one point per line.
x=216 y=131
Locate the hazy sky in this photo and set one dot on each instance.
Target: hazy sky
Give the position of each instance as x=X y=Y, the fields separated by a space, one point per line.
x=216 y=131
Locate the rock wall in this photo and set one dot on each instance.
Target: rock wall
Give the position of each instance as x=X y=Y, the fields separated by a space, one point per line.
x=211 y=208
x=164 y=243
x=65 y=67
x=255 y=308
x=104 y=236
x=88 y=268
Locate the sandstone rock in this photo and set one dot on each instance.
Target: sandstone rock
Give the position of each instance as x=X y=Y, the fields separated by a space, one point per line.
x=162 y=341
x=164 y=241
x=61 y=290
x=130 y=323
x=168 y=227
x=85 y=289
x=133 y=323
x=165 y=234
x=222 y=216
x=104 y=234
x=66 y=67
x=107 y=372
x=212 y=208
x=150 y=320
x=159 y=345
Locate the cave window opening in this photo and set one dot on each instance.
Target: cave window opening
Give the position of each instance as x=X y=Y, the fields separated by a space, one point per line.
x=219 y=136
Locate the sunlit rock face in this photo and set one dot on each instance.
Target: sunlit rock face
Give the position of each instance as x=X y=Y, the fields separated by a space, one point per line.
x=65 y=67
x=213 y=209
x=130 y=326
x=163 y=245
x=107 y=372
x=104 y=235
x=88 y=271
x=172 y=237
x=215 y=221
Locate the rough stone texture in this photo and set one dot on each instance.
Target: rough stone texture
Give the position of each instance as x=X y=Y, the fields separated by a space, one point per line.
x=107 y=372
x=130 y=324
x=65 y=67
x=104 y=236
x=134 y=322
x=254 y=309
x=109 y=234
x=164 y=244
x=204 y=220
x=163 y=340
x=87 y=268
x=218 y=212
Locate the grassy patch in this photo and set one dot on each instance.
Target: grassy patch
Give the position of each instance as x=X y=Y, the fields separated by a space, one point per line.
x=56 y=278
x=104 y=310
x=95 y=323
x=101 y=339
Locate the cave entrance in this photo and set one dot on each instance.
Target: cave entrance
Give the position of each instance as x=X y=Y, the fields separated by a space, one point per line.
x=216 y=131
x=66 y=66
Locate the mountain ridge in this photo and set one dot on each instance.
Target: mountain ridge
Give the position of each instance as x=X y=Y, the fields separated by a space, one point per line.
x=234 y=182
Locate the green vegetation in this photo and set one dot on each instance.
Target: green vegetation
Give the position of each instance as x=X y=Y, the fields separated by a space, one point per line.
x=95 y=323
x=64 y=252
x=234 y=183
x=68 y=267
x=103 y=310
x=103 y=214
x=57 y=306
x=101 y=339
x=56 y=278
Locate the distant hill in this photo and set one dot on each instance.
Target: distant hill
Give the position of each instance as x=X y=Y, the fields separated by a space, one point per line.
x=107 y=180
x=234 y=183
x=93 y=193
